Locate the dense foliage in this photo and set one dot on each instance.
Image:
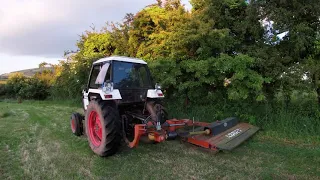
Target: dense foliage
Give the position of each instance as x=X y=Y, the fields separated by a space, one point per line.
x=245 y=53
x=194 y=53
x=36 y=87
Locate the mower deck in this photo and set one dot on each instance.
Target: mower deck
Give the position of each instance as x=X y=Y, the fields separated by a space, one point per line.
x=220 y=135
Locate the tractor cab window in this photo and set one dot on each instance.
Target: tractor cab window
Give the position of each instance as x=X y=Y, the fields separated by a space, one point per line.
x=100 y=74
x=94 y=75
x=103 y=74
x=130 y=75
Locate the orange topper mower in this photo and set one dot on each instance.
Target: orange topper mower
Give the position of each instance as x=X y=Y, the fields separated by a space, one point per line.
x=122 y=103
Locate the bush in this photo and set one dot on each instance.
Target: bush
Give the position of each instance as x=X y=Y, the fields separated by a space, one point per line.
x=34 y=89
x=205 y=80
x=2 y=90
x=26 y=88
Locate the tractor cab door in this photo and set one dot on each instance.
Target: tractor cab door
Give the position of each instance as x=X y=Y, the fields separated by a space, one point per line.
x=92 y=84
x=85 y=99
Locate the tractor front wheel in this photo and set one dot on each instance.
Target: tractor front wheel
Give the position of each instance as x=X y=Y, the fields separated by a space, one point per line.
x=103 y=128
x=76 y=124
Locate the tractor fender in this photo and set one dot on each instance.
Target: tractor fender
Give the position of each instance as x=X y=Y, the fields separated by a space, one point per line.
x=113 y=95
x=154 y=93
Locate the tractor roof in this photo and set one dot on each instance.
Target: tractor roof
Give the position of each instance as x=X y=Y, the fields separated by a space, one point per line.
x=120 y=58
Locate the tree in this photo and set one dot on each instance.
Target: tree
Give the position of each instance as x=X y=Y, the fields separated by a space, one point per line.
x=299 y=19
x=151 y=29
x=209 y=47
x=120 y=35
x=43 y=64
x=313 y=67
x=97 y=44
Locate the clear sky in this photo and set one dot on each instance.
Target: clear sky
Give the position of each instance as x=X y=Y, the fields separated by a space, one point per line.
x=35 y=31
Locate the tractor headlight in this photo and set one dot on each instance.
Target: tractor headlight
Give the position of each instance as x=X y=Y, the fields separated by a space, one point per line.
x=157 y=86
x=107 y=87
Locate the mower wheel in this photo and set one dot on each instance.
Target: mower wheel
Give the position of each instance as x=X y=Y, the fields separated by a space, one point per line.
x=76 y=124
x=103 y=125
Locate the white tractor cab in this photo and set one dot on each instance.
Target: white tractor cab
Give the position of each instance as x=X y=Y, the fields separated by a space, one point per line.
x=124 y=79
x=120 y=94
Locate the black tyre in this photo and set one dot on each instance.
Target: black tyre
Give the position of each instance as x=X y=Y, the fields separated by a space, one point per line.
x=103 y=127
x=127 y=129
x=76 y=124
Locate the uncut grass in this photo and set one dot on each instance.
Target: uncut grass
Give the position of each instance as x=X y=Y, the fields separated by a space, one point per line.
x=36 y=143
x=290 y=122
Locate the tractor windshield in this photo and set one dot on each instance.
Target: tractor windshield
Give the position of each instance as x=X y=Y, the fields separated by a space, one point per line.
x=128 y=75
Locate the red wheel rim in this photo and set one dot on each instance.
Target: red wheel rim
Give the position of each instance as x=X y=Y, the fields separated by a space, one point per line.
x=73 y=125
x=95 y=128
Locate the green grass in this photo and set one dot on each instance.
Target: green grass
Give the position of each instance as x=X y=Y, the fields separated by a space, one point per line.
x=300 y=120
x=36 y=143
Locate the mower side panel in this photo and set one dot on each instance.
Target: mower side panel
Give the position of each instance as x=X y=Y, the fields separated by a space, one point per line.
x=228 y=139
x=231 y=140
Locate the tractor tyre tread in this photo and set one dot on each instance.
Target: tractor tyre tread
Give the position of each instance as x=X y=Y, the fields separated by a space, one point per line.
x=78 y=131
x=111 y=122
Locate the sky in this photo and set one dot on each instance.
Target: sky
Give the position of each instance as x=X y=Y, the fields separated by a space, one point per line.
x=35 y=31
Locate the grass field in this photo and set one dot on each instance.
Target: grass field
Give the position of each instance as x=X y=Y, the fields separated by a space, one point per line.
x=36 y=143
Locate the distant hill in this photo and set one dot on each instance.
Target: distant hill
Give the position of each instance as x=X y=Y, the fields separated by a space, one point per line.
x=26 y=72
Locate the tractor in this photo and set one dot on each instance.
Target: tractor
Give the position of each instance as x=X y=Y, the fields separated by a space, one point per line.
x=122 y=104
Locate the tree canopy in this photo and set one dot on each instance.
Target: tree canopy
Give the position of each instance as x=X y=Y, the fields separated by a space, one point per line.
x=220 y=49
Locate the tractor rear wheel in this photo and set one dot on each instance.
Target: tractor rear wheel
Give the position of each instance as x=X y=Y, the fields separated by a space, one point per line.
x=76 y=124
x=103 y=127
